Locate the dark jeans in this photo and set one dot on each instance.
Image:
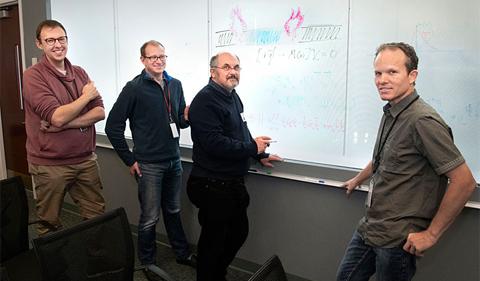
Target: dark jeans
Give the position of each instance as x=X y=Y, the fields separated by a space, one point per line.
x=159 y=189
x=388 y=264
x=223 y=217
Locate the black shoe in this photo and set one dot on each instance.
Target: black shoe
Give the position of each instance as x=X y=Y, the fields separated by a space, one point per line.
x=190 y=261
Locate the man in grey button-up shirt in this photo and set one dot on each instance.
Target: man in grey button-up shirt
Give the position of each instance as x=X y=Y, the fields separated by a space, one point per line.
x=408 y=206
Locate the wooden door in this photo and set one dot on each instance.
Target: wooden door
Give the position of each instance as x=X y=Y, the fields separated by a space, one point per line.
x=11 y=100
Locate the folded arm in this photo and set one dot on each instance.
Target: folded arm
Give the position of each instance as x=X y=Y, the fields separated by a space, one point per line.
x=82 y=121
x=68 y=112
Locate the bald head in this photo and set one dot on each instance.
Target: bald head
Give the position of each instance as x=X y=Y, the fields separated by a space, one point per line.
x=214 y=59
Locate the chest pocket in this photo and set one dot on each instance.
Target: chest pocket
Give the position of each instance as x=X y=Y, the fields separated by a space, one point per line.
x=400 y=154
x=389 y=161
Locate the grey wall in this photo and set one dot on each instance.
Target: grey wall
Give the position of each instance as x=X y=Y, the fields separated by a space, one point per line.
x=307 y=225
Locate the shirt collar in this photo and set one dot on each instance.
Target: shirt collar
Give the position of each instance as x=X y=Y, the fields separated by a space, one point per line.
x=69 y=76
x=149 y=76
x=395 y=109
x=219 y=88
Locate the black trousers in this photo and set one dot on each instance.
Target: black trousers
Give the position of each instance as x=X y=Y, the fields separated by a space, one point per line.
x=223 y=217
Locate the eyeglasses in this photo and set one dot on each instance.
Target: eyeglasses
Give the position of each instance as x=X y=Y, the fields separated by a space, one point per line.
x=51 y=41
x=155 y=58
x=227 y=67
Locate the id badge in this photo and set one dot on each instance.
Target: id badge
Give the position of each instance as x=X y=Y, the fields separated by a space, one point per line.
x=173 y=127
x=242 y=115
x=368 y=202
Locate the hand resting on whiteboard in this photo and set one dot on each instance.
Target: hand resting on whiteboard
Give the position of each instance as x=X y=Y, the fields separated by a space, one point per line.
x=350 y=185
x=267 y=161
x=356 y=181
x=262 y=143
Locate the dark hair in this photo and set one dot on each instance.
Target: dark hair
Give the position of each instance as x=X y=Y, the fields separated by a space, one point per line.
x=151 y=42
x=50 y=24
x=409 y=51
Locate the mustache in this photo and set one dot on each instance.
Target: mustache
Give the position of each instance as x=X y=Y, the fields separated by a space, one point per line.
x=232 y=76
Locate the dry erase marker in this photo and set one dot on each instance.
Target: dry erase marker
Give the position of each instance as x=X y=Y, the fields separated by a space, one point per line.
x=272 y=141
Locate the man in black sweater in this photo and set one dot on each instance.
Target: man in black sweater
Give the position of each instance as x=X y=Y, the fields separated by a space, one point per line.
x=222 y=147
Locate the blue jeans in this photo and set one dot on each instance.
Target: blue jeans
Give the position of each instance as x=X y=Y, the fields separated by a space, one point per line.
x=388 y=264
x=159 y=188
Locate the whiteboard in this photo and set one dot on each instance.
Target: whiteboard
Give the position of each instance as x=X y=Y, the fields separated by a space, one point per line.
x=307 y=66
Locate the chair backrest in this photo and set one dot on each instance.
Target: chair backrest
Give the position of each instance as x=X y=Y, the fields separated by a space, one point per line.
x=100 y=248
x=271 y=270
x=14 y=218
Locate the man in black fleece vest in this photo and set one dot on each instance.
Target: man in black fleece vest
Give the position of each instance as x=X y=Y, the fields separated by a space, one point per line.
x=222 y=147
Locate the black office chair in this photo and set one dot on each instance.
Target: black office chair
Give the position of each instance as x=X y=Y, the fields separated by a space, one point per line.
x=98 y=249
x=18 y=261
x=14 y=213
x=271 y=270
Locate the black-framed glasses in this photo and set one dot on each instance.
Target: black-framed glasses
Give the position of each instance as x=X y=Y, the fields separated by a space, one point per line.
x=155 y=58
x=51 y=41
x=227 y=67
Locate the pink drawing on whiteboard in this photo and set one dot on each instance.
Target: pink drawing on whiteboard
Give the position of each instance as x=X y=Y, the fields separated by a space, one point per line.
x=237 y=19
x=293 y=23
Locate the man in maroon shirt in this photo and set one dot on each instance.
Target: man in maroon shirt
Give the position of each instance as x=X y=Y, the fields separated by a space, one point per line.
x=62 y=106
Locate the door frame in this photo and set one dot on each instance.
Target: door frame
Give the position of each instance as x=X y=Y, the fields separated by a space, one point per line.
x=3 y=164
x=6 y=3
